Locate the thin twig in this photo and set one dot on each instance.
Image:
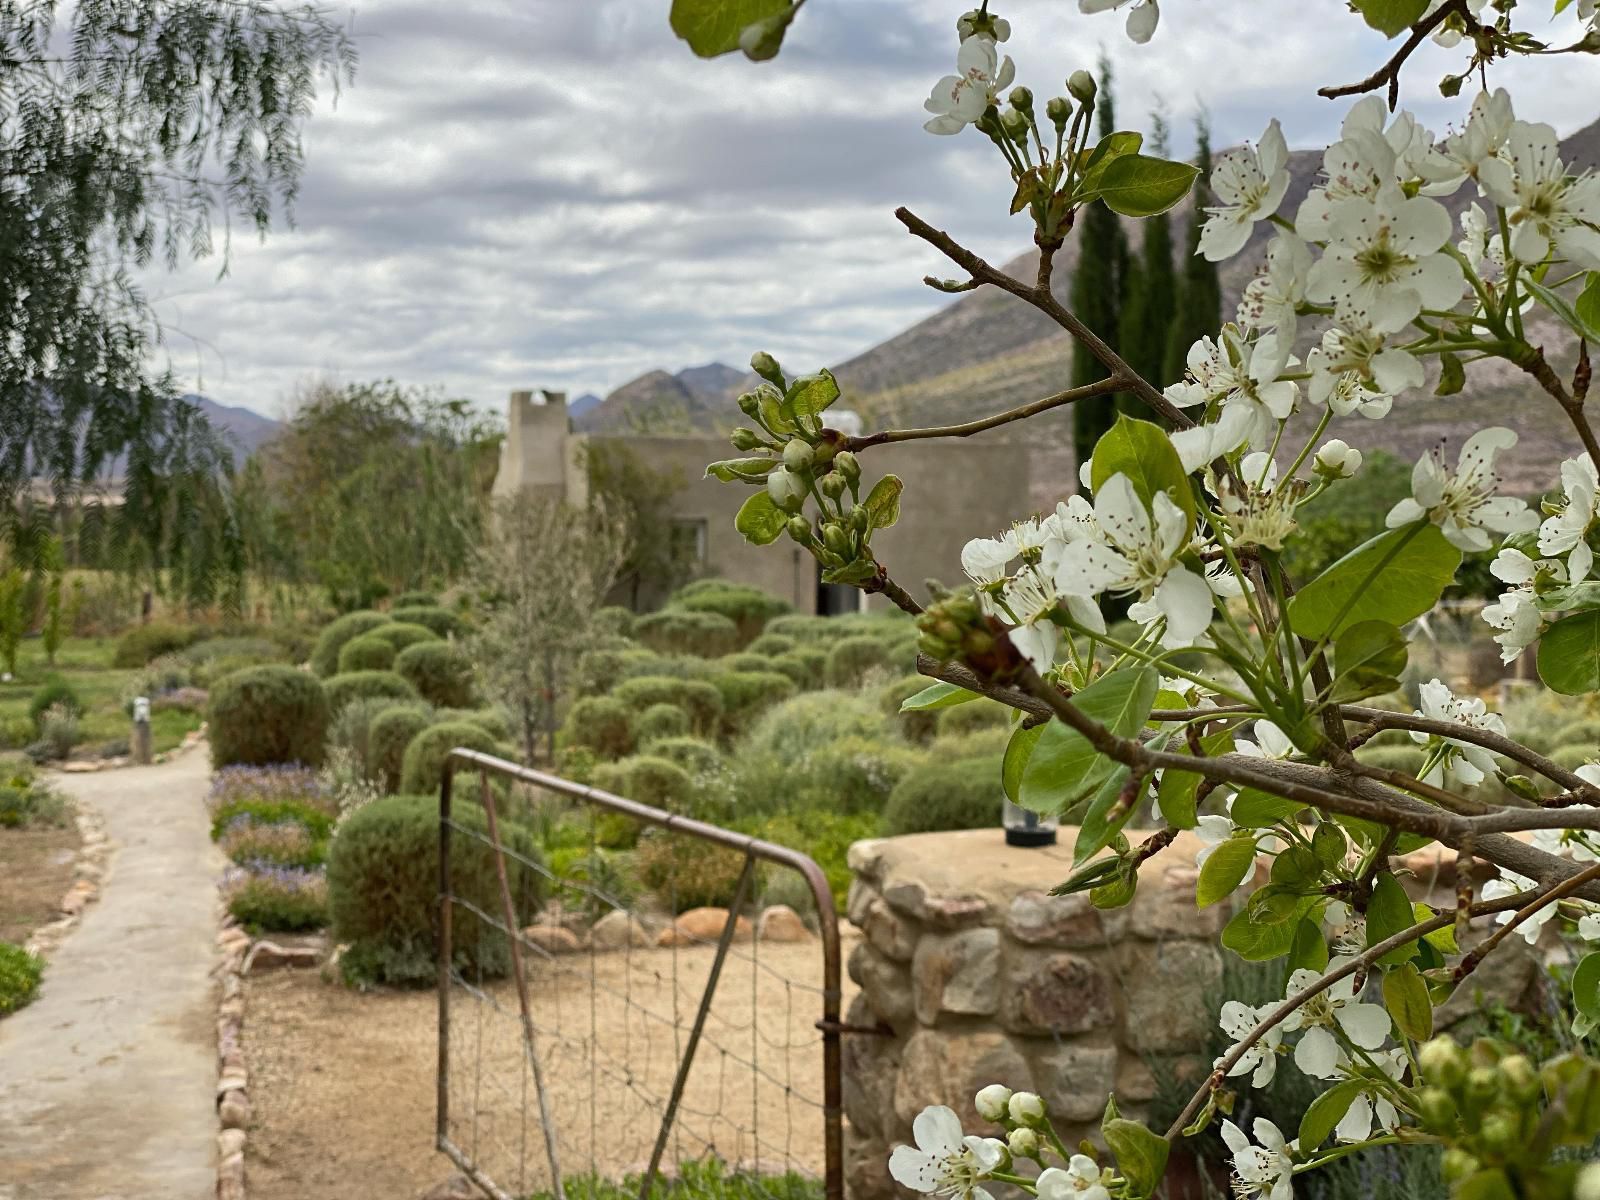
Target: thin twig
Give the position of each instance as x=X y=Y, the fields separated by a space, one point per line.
x=1389 y=73
x=1482 y=950
x=984 y=424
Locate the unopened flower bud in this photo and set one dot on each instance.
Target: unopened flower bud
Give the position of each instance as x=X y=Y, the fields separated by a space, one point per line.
x=858 y=520
x=745 y=439
x=1587 y=1185
x=1437 y=1108
x=836 y=539
x=1457 y=1164
x=1081 y=86
x=1442 y=1062
x=764 y=365
x=750 y=403
x=1059 y=110
x=797 y=455
x=1338 y=459
x=846 y=463
x=1026 y=1109
x=832 y=486
x=1483 y=1085
x=1021 y=98
x=800 y=530
x=1023 y=1143
x=787 y=490
x=1015 y=125
x=991 y=1102
x=1522 y=1081
x=1500 y=1133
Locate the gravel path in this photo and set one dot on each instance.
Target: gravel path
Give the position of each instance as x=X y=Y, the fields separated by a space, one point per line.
x=107 y=1081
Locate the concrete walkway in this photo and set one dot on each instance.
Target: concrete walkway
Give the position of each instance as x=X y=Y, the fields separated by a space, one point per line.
x=107 y=1081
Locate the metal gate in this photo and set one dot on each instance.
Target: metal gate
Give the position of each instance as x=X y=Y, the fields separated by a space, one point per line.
x=580 y=1069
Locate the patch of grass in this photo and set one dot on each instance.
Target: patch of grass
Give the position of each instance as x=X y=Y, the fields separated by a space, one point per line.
x=707 y=1180
x=19 y=977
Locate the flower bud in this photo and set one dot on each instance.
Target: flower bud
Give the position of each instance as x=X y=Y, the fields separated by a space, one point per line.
x=1081 y=86
x=750 y=403
x=1059 y=110
x=832 y=486
x=1338 y=459
x=787 y=490
x=1522 y=1081
x=1456 y=1165
x=837 y=540
x=1023 y=1143
x=1021 y=98
x=1442 y=1062
x=800 y=530
x=991 y=1102
x=1483 y=1086
x=1587 y=1185
x=1500 y=1133
x=1026 y=1109
x=764 y=365
x=1437 y=1108
x=846 y=463
x=858 y=520
x=797 y=455
x=1014 y=124
x=745 y=439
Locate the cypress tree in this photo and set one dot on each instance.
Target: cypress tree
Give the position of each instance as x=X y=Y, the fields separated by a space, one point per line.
x=1151 y=292
x=1097 y=292
x=1199 y=309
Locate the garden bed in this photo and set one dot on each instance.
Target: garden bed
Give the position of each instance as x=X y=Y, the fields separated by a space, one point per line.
x=37 y=866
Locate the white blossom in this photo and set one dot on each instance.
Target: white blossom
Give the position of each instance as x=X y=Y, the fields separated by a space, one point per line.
x=1261 y=1060
x=1337 y=459
x=1545 y=206
x=1509 y=883
x=1462 y=503
x=1213 y=829
x=1260 y=1172
x=1516 y=613
x=1352 y=370
x=1271 y=742
x=1142 y=17
x=1079 y=1181
x=1205 y=443
x=944 y=1161
x=1567 y=530
x=1363 y=161
x=1473 y=151
x=1465 y=764
x=1447 y=34
x=1369 y=1108
x=1026 y=1108
x=1319 y=1053
x=1383 y=265
x=1233 y=371
x=1250 y=182
x=990 y=1102
x=1271 y=298
x=968 y=25
x=960 y=99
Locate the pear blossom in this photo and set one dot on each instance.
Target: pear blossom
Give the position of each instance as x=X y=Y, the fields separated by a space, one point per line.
x=1319 y=1053
x=1448 y=34
x=1362 y=162
x=1270 y=299
x=1079 y=1181
x=1473 y=151
x=1213 y=829
x=1353 y=371
x=1565 y=532
x=1483 y=248
x=1250 y=183
x=1509 y=883
x=1142 y=17
x=1516 y=613
x=1261 y=1060
x=1545 y=206
x=1140 y=554
x=1462 y=503
x=975 y=23
x=1464 y=764
x=944 y=1161
x=1337 y=459
x=1271 y=743
x=990 y=1102
x=1383 y=265
x=1372 y=1108
x=1259 y=513
x=1202 y=444
x=1026 y=1108
x=1263 y=1171
x=960 y=99
x=1234 y=371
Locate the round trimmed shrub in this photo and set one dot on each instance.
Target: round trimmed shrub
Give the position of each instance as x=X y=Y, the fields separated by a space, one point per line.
x=746 y=694
x=684 y=873
x=701 y=701
x=442 y=621
x=745 y=661
x=369 y=652
x=946 y=795
x=660 y=721
x=801 y=629
x=806 y=665
x=1585 y=732
x=267 y=714
x=902 y=651
x=138 y=646
x=799 y=725
x=491 y=720
x=658 y=782
x=602 y=724
x=383 y=889
x=747 y=607
x=974 y=714
x=694 y=755
x=390 y=733
x=365 y=685
x=47 y=695
x=1575 y=756
x=325 y=654
x=416 y=600
x=772 y=645
x=401 y=634
x=440 y=671
x=680 y=631
x=852 y=658
x=918 y=726
x=613 y=621
x=423 y=765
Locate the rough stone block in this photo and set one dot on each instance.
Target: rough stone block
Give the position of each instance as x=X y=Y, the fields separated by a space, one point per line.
x=956 y=973
x=1056 y=994
x=234 y=1110
x=1166 y=1012
x=885 y=985
x=1164 y=908
x=865 y=858
x=858 y=901
x=618 y=930
x=1071 y=922
x=866 y=1168
x=1075 y=1080
x=870 y=1067
x=780 y=923
x=942 y=1066
x=890 y=934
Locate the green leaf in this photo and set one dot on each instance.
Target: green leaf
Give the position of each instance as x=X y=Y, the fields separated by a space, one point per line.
x=1444 y=939
x=1260 y=931
x=1587 y=306
x=1225 y=869
x=1326 y=1111
x=1255 y=809
x=940 y=695
x=1091 y=875
x=1145 y=454
x=1310 y=949
x=811 y=394
x=1141 y=1155
x=1136 y=185
x=1388 y=913
x=1111 y=147
x=857 y=570
x=760 y=520
x=712 y=27
x=1367 y=658
x=1393 y=578
x=741 y=470
x=1586 y=986
x=1329 y=844
x=1096 y=829
x=1391 y=17
x=1569 y=654
x=1018 y=751
x=1452 y=375
x=1064 y=767
x=1120 y=890
x=883 y=502
x=1568 y=312
x=1574 y=595
x=1176 y=795
x=1406 y=997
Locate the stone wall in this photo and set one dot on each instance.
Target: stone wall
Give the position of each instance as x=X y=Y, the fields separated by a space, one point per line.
x=984 y=977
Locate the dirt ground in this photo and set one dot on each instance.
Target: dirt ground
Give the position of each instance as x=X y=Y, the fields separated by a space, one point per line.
x=35 y=871
x=343 y=1083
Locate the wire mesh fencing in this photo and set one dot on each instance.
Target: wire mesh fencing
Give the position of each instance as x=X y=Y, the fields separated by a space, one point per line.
x=600 y=1021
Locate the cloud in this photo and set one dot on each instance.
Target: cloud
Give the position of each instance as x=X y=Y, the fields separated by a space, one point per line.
x=560 y=195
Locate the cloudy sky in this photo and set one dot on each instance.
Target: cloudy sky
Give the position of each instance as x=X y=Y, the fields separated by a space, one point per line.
x=556 y=193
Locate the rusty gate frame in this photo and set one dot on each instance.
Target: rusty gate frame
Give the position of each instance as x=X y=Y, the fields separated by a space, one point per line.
x=829 y=1024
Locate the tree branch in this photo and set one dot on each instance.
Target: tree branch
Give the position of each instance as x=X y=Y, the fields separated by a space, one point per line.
x=1389 y=73
x=968 y=428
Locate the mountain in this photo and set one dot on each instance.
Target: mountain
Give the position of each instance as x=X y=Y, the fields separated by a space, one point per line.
x=576 y=408
x=245 y=430
x=656 y=402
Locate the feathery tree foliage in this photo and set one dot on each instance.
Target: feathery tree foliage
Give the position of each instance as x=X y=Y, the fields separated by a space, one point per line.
x=127 y=128
x=1199 y=295
x=1149 y=294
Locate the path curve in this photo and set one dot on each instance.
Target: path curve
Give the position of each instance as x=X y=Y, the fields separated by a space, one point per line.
x=108 y=1080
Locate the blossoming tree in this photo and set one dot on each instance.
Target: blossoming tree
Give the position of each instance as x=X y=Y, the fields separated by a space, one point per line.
x=1183 y=515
